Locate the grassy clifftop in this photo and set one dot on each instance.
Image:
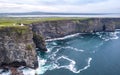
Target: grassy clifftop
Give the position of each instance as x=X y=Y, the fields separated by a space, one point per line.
x=18 y=32
x=14 y=21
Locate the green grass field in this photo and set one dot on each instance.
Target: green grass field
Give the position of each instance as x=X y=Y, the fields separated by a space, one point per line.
x=15 y=21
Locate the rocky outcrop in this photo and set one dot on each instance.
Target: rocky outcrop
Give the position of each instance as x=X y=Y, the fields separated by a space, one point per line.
x=17 y=47
x=39 y=42
x=60 y=28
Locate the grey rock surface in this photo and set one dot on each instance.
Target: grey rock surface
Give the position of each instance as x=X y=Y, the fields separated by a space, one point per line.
x=60 y=28
x=17 y=48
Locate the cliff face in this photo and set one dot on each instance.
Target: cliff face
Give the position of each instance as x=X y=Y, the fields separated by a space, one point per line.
x=17 y=47
x=60 y=28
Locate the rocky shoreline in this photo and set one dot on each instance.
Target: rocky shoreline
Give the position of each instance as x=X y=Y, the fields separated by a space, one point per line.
x=18 y=45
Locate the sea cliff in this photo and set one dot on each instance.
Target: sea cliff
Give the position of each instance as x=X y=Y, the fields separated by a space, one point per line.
x=18 y=43
x=60 y=28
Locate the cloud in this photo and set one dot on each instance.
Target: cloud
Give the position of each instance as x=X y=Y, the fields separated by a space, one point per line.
x=24 y=7
x=78 y=6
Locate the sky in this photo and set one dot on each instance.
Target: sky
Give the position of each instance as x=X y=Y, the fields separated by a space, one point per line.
x=65 y=6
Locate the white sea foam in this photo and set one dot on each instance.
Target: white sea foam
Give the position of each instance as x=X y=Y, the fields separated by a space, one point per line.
x=69 y=47
x=65 y=37
x=72 y=48
x=86 y=67
x=5 y=73
x=72 y=64
x=108 y=35
x=40 y=70
x=89 y=61
x=50 y=49
x=114 y=35
x=28 y=72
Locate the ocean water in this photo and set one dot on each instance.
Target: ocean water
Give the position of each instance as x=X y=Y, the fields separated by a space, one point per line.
x=85 y=54
x=80 y=54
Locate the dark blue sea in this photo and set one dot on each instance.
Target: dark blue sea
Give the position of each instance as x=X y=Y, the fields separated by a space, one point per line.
x=83 y=54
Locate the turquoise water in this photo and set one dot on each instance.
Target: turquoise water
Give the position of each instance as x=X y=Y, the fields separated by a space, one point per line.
x=85 y=54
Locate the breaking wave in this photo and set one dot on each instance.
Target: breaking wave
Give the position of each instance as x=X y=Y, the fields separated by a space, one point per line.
x=66 y=37
x=72 y=64
x=108 y=35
